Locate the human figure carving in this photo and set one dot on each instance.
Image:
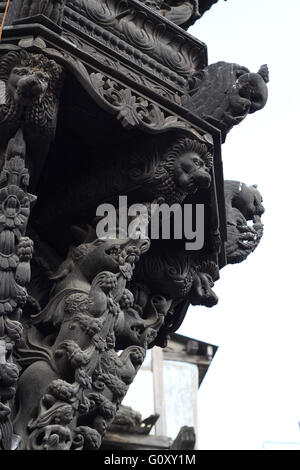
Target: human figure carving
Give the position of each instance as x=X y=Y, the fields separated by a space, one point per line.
x=89 y=309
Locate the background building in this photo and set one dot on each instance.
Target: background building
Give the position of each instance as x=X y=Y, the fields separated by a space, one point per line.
x=166 y=385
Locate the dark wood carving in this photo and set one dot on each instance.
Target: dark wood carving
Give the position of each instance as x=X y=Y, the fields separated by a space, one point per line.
x=30 y=87
x=243 y=204
x=130 y=421
x=225 y=94
x=15 y=254
x=102 y=99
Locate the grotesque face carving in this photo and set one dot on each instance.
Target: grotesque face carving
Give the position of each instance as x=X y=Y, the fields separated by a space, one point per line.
x=191 y=172
x=252 y=87
x=184 y=169
x=27 y=85
x=250 y=202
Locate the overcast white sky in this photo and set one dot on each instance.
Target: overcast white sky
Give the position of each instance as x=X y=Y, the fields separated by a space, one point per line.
x=251 y=393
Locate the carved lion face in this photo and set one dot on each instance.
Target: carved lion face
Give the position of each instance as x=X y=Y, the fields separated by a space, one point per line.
x=27 y=86
x=190 y=172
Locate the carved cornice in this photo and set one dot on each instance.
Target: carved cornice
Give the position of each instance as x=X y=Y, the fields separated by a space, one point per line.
x=127 y=28
x=141 y=28
x=123 y=49
x=138 y=76
x=130 y=107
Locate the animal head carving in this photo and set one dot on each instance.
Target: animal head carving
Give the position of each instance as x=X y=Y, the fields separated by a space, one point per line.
x=174 y=169
x=27 y=86
x=226 y=93
x=29 y=77
x=190 y=163
x=252 y=88
x=93 y=255
x=30 y=86
x=243 y=203
x=179 y=276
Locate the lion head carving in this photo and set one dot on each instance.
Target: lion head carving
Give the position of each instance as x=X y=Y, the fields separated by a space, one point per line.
x=174 y=170
x=30 y=87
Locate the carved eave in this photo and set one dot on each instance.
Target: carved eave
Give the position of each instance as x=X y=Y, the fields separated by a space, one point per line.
x=95 y=57
x=137 y=106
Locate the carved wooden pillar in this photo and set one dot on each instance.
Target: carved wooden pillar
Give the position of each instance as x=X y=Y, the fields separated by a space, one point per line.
x=15 y=253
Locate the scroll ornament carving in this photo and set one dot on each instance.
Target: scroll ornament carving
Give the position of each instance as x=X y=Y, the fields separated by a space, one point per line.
x=52 y=9
x=183 y=13
x=132 y=110
x=30 y=87
x=94 y=312
x=158 y=41
x=126 y=71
